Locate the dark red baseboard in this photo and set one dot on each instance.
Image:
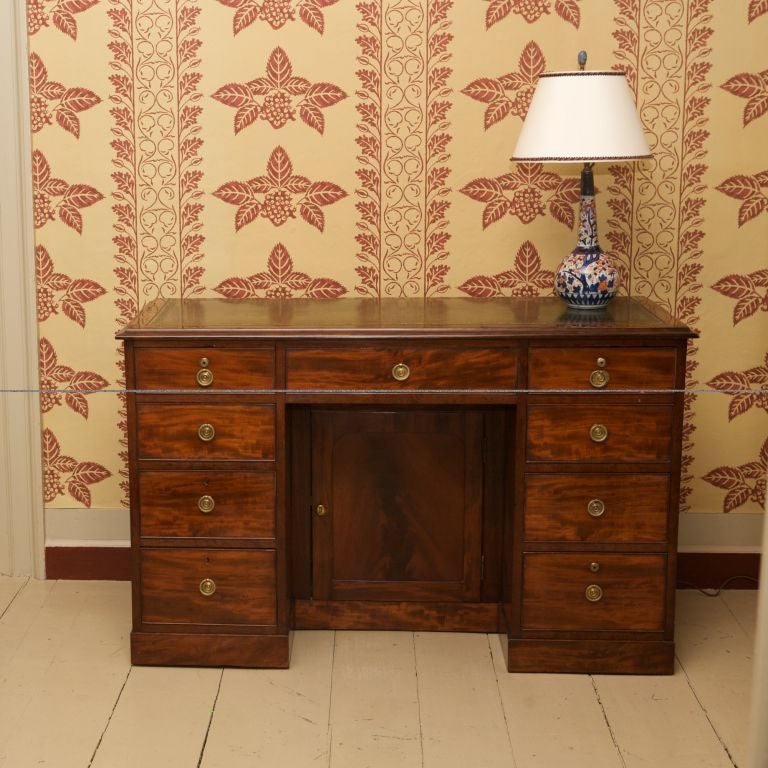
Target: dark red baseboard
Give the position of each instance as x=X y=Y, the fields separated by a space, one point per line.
x=703 y=570
x=91 y=563
x=710 y=570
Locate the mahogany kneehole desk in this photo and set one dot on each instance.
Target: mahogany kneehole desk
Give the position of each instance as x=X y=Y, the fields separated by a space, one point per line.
x=499 y=465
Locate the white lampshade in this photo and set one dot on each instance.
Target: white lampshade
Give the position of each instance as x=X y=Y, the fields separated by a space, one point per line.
x=582 y=116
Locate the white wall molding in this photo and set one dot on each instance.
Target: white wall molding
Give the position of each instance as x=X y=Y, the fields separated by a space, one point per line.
x=21 y=501
x=717 y=532
x=79 y=527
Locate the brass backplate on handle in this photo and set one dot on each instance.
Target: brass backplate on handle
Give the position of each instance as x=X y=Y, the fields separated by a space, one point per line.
x=598 y=379
x=595 y=507
x=593 y=593
x=321 y=510
x=206 y=432
x=206 y=504
x=207 y=587
x=400 y=372
x=204 y=377
x=598 y=433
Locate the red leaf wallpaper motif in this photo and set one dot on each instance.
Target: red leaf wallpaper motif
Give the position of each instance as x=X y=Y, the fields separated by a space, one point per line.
x=531 y=10
x=280 y=281
x=750 y=292
x=526 y=193
x=745 y=483
x=66 y=474
x=55 y=377
x=277 y=13
x=57 y=291
x=493 y=90
x=747 y=389
x=60 y=12
x=754 y=88
x=757 y=8
x=278 y=97
x=45 y=187
x=50 y=100
x=751 y=190
x=526 y=278
x=279 y=194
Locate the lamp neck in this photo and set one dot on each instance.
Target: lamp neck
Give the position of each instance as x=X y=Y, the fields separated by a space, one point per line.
x=587 y=180
x=587 y=216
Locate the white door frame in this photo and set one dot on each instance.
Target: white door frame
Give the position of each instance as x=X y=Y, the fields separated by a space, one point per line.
x=22 y=540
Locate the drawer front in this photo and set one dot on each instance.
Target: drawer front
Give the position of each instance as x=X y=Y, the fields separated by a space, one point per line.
x=362 y=367
x=609 y=508
x=628 y=591
x=200 y=504
x=621 y=433
x=244 y=583
x=204 y=368
x=601 y=368
x=177 y=432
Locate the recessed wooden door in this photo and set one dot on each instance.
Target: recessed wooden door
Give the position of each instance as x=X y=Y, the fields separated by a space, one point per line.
x=397 y=504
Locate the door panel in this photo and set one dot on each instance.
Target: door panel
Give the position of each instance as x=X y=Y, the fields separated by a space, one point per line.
x=402 y=491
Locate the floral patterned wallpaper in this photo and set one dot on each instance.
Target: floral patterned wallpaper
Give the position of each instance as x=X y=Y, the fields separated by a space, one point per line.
x=287 y=148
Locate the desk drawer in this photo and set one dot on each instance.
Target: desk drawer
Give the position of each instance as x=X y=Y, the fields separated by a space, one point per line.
x=601 y=368
x=627 y=591
x=620 y=433
x=204 y=368
x=596 y=508
x=243 y=584
x=423 y=367
x=208 y=432
x=199 y=504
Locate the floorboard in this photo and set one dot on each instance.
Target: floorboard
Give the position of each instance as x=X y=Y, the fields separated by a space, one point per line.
x=69 y=697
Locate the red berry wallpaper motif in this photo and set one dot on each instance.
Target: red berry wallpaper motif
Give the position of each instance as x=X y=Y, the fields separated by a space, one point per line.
x=371 y=138
x=280 y=281
x=278 y=97
x=526 y=278
x=279 y=195
x=277 y=13
x=494 y=91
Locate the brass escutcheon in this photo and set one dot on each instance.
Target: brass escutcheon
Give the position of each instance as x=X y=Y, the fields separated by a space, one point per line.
x=321 y=510
x=206 y=432
x=400 y=372
x=595 y=507
x=599 y=378
x=206 y=504
x=204 y=377
x=593 y=593
x=207 y=587
x=594 y=567
x=598 y=433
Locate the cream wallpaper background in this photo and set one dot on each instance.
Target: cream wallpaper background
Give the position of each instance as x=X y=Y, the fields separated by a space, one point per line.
x=341 y=148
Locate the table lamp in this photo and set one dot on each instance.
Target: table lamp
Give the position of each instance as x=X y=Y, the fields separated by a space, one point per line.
x=587 y=116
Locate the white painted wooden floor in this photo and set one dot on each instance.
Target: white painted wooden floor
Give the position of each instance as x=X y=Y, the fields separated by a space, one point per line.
x=69 y=697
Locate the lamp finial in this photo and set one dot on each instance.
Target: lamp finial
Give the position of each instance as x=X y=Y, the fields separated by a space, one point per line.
x=582 y=60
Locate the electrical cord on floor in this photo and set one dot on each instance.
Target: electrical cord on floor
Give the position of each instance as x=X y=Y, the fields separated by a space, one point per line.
x=716 y=591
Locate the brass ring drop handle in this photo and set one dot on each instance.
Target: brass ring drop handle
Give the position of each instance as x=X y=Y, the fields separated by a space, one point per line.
x=400 y=372
x=598 y=433
x=205 y=375
x=206 y=504
x=206 y=432
x=207 y=587
x=595 y=507
x=593 y=593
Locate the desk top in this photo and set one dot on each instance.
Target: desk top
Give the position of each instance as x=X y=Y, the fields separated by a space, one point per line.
x=519 y=317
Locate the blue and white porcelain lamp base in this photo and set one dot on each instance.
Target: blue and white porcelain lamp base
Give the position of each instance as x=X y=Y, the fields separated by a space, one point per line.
x=586 y=279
